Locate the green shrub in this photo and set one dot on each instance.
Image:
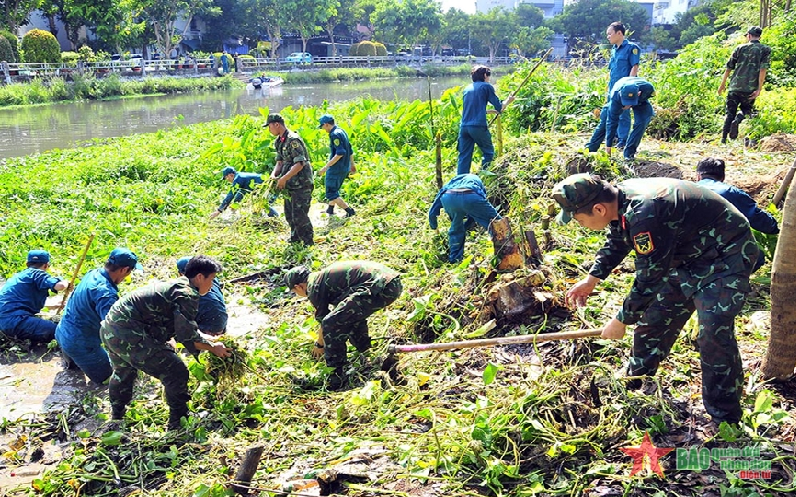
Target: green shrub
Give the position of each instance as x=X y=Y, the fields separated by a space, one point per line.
x=41 y=46
x=776 y=114
x=6 y=52
x=86 y=54
x=366 y=48
x=12 y=40
x=354 y=50
x=70 y=58
x=381 y=50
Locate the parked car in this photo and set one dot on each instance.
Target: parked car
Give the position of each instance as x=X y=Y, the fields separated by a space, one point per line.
x=299 y=58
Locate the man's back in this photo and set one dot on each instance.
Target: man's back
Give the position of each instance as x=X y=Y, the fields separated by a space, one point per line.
x=747 y=60
x=25 y=293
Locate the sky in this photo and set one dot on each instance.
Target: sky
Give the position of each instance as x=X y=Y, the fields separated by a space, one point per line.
x=463 y=5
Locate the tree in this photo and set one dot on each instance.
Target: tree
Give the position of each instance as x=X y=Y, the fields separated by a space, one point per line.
x=529 y=15
x=587 y=20
x=407 y=21
x=780 y=357
x=493 y=29
x=662 y=39
x=531 y=41
x=362 y=12
x=305 y=15
x=342 y=15
x=455 y=29
x=162 y=16
x=15 y=13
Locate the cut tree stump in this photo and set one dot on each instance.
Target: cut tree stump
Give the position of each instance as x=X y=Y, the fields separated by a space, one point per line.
x=506 y=250
x=248 y=467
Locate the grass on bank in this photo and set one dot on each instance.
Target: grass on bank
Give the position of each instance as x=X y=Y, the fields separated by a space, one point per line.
x=522 y=421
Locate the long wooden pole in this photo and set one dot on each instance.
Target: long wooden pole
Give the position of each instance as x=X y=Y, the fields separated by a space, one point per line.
x=783 y=188
x=491 y=342
x=528 y=77
x=74 y=275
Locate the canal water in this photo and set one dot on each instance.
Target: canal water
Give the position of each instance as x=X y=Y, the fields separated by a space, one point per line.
x=35 y=129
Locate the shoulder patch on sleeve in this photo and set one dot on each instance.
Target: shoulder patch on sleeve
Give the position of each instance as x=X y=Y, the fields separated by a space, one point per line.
x=635 y=51
x=643 y=243
x=337 y=142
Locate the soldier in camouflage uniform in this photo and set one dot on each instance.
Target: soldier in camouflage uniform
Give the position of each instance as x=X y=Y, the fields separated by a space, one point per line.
x=750 y=63
x=694 y=251
x=293 y=173
x=136 y=331
x=356 y=289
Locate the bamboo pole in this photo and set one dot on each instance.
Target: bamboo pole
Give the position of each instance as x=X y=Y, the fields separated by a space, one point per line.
x=783 y=188
x=528 y=77
x=74 y=275
x=491 y=342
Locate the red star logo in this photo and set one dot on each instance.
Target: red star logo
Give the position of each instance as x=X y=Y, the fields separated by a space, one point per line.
x=646 y=451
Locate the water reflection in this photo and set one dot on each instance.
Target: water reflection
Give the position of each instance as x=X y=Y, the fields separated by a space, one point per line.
x=28 y=130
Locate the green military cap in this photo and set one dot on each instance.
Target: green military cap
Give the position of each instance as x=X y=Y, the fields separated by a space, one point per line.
x=296 y=276
x=575 y=192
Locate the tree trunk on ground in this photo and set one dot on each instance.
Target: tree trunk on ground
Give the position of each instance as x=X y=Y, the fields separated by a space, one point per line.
x=780 y=357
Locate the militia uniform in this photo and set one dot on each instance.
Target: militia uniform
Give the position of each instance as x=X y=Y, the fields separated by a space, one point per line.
x=335 y=175
x=355 y=290
x=135 y=334
x=623 y=58
x=694 y=251
x=22 y=297
x=746 y=62
x=473 y=129
x=463 y=198
x=290 y=148
x=635 y=92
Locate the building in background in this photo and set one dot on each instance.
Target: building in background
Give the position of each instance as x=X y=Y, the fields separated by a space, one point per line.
x=665 y=11
x=549 y=7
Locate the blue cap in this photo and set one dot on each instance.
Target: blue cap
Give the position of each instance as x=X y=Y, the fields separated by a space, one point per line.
x=227 y=170
x=181 y=263
x=39 y=256
x=124 y=257
x=326 y=119
x=629 y=94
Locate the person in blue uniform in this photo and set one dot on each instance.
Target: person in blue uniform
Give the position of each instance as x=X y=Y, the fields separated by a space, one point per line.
x=629 y=93
x=78 y=332
x=710 y=172
x=242 y=183
x=339 y=165
x=625 y=59
x=24 y=295
x=212 y=314
x=474 y=129
x=464 y=198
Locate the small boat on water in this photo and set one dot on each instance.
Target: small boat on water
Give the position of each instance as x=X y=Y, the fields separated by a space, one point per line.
x=267 y=81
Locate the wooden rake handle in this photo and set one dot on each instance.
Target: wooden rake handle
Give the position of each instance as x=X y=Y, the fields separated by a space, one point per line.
x=491 y=342
x=74 y=275
x=514 y=93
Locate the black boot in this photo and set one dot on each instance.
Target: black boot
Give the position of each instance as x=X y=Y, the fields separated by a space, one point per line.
x=349 y=212
x=337 y=380
x=734 y=126
x=330 y=210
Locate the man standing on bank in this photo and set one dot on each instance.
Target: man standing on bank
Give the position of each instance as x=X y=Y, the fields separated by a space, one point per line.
x=750 y=63
x=340 y=164
x=474 y=129
x=138 y=328
x=293 y=173
x=625 y=58
x=693 y=252
x=355 y=290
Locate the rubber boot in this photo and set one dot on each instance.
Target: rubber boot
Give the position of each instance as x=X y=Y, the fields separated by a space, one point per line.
x=350 y=212
x=330 y=210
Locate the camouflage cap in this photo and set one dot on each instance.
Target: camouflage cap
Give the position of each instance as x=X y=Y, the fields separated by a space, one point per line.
x=575 y=192
x=755 y=31
x=296 y=276
x=274 y=118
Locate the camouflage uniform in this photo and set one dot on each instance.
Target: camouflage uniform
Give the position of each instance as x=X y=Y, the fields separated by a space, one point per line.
x=694 y=251
x=356 y=289
x=135 y=334
x=746 y=62
x=290 y=148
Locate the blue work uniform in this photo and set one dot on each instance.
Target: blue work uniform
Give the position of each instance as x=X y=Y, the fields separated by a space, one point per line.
x=212 y=314
x=21 y=298
x=78 y=331
x=339 y=144
x=473 y=129
x=642 y=113
x=623 y=58
x=242 y=184
x=758 y=219
x=463 y=198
